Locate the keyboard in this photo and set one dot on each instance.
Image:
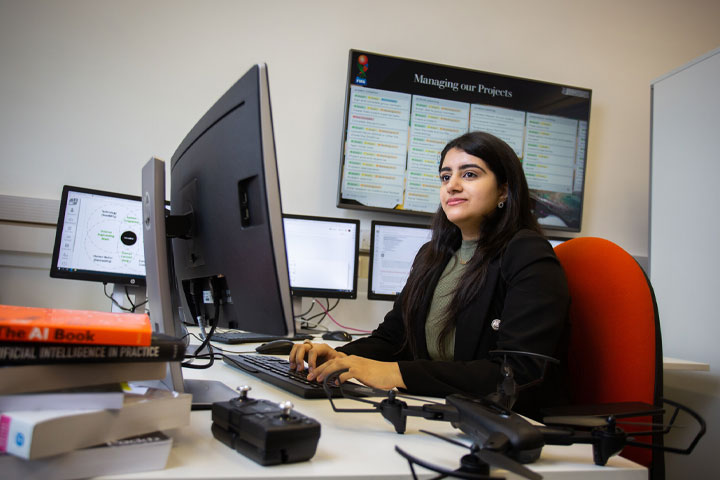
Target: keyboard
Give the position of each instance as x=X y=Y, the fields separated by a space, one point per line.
x=276 y=371
x=237 y=336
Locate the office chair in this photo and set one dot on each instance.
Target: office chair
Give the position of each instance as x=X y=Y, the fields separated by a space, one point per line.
x=615 y=351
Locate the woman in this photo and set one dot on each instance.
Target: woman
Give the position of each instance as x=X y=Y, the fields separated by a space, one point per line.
x=487 y=280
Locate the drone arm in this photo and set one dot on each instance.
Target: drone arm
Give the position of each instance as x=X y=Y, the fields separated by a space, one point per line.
x=564 y=436
x=396 y=412
x=437 y=411
x=606 y=443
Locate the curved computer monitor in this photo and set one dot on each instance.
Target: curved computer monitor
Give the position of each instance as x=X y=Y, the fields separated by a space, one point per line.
x=228 y=247
x=225 y=195
x=393 y=247
x=322 y=255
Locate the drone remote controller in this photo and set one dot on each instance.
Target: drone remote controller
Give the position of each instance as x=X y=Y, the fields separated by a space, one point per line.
x=266 y=432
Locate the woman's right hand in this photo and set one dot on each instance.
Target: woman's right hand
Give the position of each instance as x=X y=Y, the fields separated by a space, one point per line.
x=314 y=353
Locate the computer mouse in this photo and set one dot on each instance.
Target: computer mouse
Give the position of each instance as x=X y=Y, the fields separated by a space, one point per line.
x=276 y=347
x=339 y=335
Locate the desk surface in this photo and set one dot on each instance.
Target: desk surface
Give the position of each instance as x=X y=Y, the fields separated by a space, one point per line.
x=670 y=363
x=352 y=445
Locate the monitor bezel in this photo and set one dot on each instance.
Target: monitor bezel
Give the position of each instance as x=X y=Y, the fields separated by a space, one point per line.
x=89 y=275
x=324 y=293
x=371 y=295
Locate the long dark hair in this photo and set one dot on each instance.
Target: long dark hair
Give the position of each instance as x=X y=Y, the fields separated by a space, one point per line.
x=495 y=232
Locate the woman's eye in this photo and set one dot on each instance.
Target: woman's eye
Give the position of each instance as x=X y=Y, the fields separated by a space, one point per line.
x=469 y=174
x=444 y=178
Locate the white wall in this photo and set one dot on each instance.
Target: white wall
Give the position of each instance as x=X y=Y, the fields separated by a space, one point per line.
x=91 y=89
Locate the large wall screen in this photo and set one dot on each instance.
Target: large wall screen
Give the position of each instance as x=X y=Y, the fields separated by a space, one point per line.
x=400 y=113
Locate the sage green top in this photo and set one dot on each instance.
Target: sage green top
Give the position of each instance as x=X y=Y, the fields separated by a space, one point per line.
x=442 y=296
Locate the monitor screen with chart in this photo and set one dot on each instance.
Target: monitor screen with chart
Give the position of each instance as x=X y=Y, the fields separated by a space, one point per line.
x=99 y=237
x=400 y=113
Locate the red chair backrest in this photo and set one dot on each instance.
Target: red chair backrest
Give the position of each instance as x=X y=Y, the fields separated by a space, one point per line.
x=615 y=350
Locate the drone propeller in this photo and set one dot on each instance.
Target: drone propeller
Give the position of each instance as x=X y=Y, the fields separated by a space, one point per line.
x=499 y=460
x=463 y=472
x=478 y=461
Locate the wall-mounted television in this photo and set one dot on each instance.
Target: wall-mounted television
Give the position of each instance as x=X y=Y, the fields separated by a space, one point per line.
x=400 y=113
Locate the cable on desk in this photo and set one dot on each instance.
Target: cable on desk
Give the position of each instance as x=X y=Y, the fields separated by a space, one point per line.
x=340 y=325
x=206 y=341
x=305 y=322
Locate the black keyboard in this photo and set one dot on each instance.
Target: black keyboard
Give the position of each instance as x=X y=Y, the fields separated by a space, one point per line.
x=237 y=336
x=277 y=371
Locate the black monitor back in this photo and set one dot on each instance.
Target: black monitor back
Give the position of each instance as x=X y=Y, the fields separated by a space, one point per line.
x=224 y=179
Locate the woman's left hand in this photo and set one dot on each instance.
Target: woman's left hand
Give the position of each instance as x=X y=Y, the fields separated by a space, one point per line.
x=383 y=375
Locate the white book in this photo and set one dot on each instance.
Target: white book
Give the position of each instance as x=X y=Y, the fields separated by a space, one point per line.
x=40 y=378
x=42 y=433
x=83 y=398
x=143 y=453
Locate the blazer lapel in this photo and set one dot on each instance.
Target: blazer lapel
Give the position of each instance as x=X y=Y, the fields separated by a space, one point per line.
x=472 y=321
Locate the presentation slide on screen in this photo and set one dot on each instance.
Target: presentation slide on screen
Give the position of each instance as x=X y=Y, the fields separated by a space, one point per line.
x=102 y=234
x=394 y=142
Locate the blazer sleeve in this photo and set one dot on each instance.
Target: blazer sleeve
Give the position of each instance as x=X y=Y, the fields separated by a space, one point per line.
x=534 y=303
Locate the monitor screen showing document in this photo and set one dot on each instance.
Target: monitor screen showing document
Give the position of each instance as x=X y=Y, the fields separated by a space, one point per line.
x=99 y=237
x=393 y=247
x=322 y=255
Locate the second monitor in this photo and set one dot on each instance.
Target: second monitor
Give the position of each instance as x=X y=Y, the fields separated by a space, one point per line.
x=322 y=255
x=393 y=247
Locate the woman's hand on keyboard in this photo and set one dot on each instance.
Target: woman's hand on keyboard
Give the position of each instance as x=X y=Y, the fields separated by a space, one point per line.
x=373 y=373
x=314 y=353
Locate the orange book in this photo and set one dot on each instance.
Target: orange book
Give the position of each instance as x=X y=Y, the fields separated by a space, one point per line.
x=53 y=325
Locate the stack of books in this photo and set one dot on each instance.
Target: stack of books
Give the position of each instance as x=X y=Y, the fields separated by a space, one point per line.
x=66 y=407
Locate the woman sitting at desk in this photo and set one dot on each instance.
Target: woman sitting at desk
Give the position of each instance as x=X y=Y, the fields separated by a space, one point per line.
x=487 y=280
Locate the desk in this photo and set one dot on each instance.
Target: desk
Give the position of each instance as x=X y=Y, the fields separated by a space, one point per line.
x=670 y=363
x=352 y=445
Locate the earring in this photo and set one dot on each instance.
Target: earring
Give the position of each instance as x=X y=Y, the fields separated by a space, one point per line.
x=501 y=204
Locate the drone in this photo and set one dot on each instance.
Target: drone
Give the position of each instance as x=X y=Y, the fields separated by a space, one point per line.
x=503 y=438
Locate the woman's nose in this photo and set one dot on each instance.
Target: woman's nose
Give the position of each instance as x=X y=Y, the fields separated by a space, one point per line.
x=453 y=185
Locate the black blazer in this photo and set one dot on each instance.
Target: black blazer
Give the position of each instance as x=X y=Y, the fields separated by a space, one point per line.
x=526 y=290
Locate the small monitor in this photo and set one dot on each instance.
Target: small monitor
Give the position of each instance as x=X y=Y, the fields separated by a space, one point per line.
x=99 y=238
x=393 y=247
x=322 y=255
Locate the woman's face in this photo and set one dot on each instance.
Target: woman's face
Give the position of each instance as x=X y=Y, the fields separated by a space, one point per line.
x=468 y=191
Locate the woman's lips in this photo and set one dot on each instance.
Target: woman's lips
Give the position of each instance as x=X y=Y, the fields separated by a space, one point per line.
x=455 y=201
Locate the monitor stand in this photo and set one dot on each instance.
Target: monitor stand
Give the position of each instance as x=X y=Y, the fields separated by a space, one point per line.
x=163 y=315
x=120 y=297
